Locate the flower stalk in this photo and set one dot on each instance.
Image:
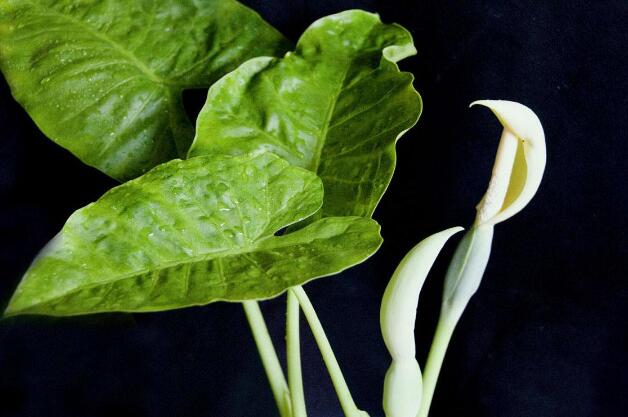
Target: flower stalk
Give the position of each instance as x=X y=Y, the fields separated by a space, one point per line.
x=515 y=178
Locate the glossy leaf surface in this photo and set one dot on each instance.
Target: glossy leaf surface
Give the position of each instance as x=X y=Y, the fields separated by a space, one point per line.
x=189 y=233
x=336 y=106
x=104 y=79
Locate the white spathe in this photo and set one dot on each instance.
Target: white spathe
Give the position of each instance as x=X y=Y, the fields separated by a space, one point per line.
x=516 y=176
x=403 y=382
x=399 y=304
x=519 y=163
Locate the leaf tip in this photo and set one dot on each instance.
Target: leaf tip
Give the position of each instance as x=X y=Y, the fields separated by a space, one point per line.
x=11 y=311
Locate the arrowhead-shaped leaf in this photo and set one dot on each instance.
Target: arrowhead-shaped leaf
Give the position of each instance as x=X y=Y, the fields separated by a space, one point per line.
x=189 y=233
x=336 y=106
x=104 y=79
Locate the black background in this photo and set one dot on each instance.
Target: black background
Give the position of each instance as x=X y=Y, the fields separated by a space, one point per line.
x=547 y=333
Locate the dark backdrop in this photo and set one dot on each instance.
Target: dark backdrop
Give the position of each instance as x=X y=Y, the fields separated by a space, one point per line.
x=545 y=336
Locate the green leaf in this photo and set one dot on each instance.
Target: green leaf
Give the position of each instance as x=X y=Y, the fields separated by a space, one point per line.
x=336 y=106
x=189 y=233
x=104 y=79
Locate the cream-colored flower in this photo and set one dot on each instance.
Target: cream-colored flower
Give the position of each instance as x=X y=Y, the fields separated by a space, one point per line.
x=403 y=383
x=519 y=163
x=516 y=176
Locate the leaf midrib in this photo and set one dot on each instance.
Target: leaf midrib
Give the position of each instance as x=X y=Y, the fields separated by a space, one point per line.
x=259 y=245
x=121 y=49
x=327 y=121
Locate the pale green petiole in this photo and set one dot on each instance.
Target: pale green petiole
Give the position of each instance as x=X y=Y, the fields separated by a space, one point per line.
x=342 y=390
x=293 y=352
x=442 y=336
x=269 y=358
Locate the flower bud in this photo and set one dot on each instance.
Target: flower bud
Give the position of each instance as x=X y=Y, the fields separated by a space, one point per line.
x=403 y=383
x=399 y=304
x=403 y=389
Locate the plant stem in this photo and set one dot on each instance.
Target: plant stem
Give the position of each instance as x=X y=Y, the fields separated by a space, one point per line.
x=269 y=358
x=346 y=400
x=461 y=282
x=293 y=352
x=444 y=330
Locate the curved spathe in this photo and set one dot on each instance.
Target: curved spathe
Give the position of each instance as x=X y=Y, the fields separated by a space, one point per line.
x=519 y=164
